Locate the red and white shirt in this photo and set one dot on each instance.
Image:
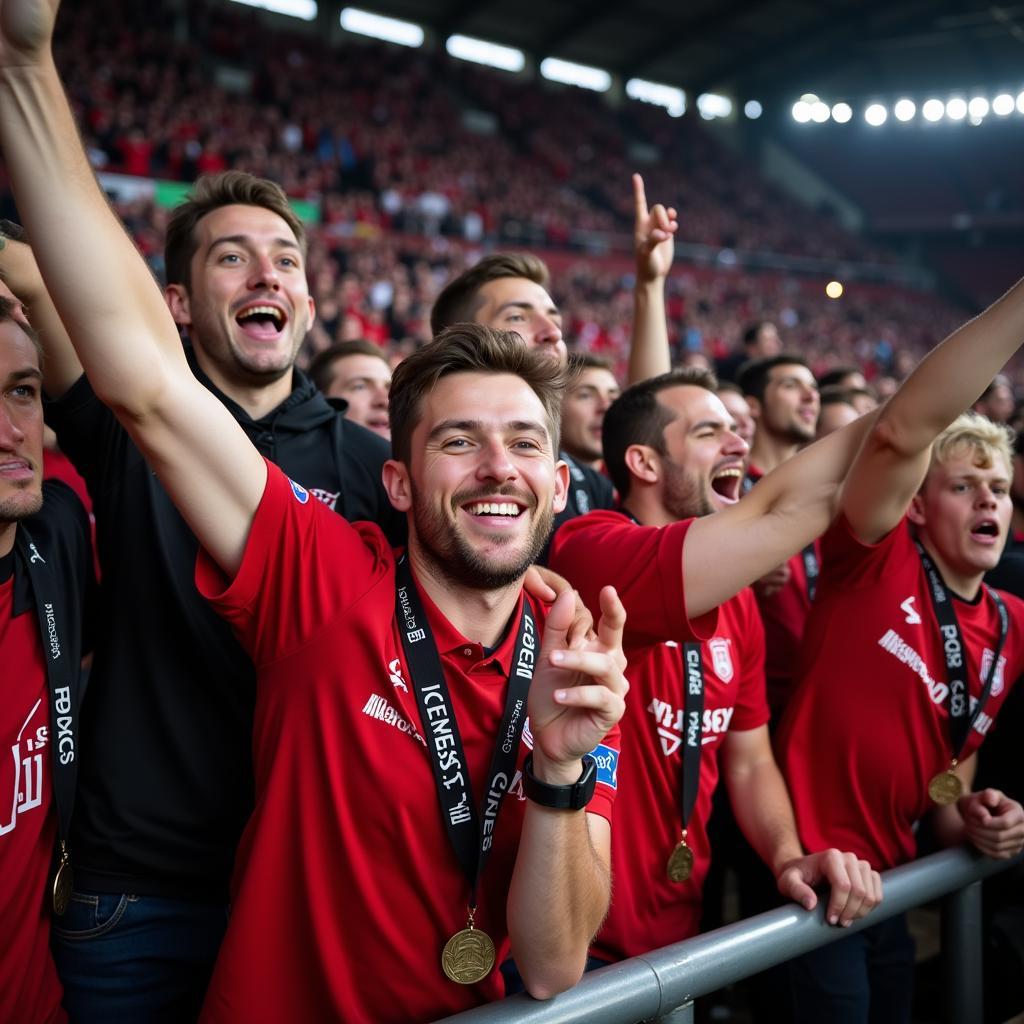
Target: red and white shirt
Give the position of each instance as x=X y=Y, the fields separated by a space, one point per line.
x=645 y=566
x=867 y=725
x=29 y=987
x=346 y=887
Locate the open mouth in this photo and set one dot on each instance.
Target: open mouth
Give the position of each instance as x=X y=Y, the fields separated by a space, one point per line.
x=726 y=483
x=986 y=530
x=261 y=321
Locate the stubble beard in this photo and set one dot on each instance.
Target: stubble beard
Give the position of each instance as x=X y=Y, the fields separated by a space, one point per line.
x=684 y=496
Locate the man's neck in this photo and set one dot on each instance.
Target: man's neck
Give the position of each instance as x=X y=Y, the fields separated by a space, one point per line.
x=256 y=399
x=767 y=451
x=7 y=532
x=965 y=585
x=583 y=460
x=646 y=509
x=479 y=615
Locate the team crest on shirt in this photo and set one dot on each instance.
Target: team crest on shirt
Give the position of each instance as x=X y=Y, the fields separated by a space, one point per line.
x=721 y=658
x=300 y=492
x=986 y=664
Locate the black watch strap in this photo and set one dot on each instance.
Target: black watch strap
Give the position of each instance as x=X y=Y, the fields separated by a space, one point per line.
x=561 y=798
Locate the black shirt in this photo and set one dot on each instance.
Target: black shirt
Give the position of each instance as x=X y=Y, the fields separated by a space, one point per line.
x=165 y=780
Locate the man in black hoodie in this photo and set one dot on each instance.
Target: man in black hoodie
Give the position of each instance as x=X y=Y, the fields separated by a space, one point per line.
x=165 y=783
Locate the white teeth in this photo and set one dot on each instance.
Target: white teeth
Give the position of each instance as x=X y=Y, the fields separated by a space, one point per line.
x=263 y=311
x=734 y=471
x=494 y=508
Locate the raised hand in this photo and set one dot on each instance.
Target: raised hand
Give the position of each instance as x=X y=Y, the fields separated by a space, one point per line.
x=653 y=233
x=577 y=695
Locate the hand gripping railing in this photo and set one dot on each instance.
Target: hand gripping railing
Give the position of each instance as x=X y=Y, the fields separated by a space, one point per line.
x=662 y=985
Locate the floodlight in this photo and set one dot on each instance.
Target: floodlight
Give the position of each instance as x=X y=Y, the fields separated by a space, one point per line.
x=1002 y=104
x=1020 y=102
x=391 y=30
x=876 y=115
x=819 y=112
x=933 y=110
x=304 y=9
x=834 y=289
x=956 y=109
x=904 y=110
x=712 y=105
x=479 y=51
x=842 y=112
x=670 y=97
x=978 y=107
x=802 y=111
x=581 y=75
x=753 y=109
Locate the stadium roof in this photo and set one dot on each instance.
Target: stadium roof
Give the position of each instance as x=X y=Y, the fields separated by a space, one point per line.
x=753 y=48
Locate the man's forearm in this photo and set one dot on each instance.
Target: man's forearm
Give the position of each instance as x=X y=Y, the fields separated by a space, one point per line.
x=558 y=897
x=764 y=813
x=649 y=352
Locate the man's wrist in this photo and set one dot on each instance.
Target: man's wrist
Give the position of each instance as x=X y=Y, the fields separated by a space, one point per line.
x=556 y=773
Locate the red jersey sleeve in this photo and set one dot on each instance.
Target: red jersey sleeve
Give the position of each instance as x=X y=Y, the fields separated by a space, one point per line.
x=643 y=563
x=751 y=708
x=303 y=566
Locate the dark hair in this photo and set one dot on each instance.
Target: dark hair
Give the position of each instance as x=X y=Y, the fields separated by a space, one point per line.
x=830 y=378
x=836 y=394
x=209 y=193
x=458 y=301
x=637 y=417
x=7 y=308
x=730 y=385
x=320 y=367
x=753 y=330
x=753 y=375
x=469 y=348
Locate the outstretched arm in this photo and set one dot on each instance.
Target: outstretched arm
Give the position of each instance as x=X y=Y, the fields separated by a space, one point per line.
x=109 y=302
x=654 y=247
x=894 y=460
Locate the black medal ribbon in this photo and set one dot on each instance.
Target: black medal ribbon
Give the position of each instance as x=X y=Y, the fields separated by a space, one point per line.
x=812 y=569
x=693 y=716
x=61 y=678
x=958 y=703
x=470 y=830
x=579 y=490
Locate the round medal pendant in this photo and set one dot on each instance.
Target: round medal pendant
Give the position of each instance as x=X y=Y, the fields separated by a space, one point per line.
x=468 y=956
x=945 y=788
x=63 y=883
x=680 y=863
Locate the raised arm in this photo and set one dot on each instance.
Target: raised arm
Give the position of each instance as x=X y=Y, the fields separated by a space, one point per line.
x=894 y=460
x=654 y=247
x=61 y=367
x=108 y=301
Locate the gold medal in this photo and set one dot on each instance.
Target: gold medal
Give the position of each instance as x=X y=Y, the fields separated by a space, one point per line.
x=468 y=956
x=63 y=883
x=945 y=788
x=680 y=863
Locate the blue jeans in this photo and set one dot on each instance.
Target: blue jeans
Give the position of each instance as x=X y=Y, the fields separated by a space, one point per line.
x=867 y=978
x=125 y=959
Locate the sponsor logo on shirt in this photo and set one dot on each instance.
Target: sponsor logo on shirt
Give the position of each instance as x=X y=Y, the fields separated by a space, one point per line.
x=913 y=617
x=937 y=691
x=379 y=708
x=395 y=675
x=607 y=765
x=300 y=492
x=28 y=753
x=721 y=658
x=328 y=498
x=671 y=722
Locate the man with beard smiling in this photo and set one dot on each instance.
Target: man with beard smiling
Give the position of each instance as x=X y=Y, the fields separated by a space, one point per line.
x=166 y=786
x=672 y=451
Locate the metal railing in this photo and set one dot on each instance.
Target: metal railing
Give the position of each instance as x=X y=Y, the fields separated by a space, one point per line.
x=662 y=985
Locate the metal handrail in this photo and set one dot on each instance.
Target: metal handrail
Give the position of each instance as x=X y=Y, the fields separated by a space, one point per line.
x=665 y=980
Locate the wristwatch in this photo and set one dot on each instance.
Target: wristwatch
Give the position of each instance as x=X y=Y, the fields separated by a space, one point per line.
x=561 y=798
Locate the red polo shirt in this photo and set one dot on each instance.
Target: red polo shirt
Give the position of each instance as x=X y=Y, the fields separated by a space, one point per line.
x=346 y=887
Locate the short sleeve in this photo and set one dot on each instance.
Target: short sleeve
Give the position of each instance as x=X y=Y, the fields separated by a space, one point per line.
x=751 y=708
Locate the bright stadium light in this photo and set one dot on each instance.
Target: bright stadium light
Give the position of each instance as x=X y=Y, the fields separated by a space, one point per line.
x=819 y=112
x=904 y=110
x=753 y=109
x=876 y=115
x=304 y=9
x=978 y=107
x=581 y=75
x=933 y=110
x=1020 y=102
x=711 y=105
x=391 y=30
x=956 y=109
x=1002 y=104
x=842 y=112
x=479 y=51
x=667 y=96
x=801 y=111
x=834 y=289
